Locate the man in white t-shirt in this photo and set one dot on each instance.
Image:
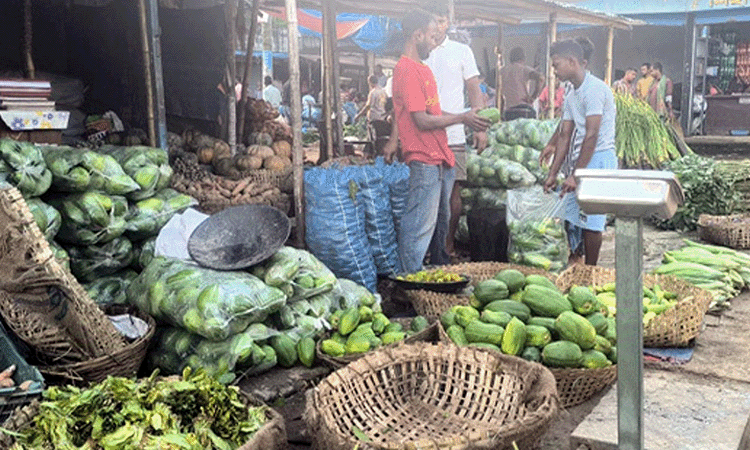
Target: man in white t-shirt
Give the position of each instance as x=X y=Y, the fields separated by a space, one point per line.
x=271 y=93
x=454 y=67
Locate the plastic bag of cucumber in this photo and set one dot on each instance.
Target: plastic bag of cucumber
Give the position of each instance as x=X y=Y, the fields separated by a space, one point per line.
x=528 y=316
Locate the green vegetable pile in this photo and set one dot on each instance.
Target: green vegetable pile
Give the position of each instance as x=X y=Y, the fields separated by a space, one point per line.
x=356 y=130
x=192 y=413
x=526 y=132
x=538 y=243
x=642 y=140
x=22 y=165
x=706 y=189
x=81 y=170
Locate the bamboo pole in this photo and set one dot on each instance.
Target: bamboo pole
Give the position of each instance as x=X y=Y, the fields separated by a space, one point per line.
x=158 y=78
x=248 y=68
x=608 y=63
x=298 y=157
x=150 y=114
x=28 y=35
x=326 y=65
x=498 y=67
x=230 y=15
x=338 y=132
x=551 y=91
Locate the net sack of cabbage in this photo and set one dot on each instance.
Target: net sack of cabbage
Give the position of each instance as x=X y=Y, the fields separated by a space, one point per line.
x=297 y=273
x=94 y=261
x=349 y=294
x=148 y=166
x=527 y=132
x=144 y=253
x=211 y=303
x=536 y=233
x=111 y=290
x=493 y=171
x=47 y=218
x=526 y=156
x=175 y=348
x=91 y=217
x=22 y=165
x=146 y=217
x=483 y=197
x=60 y=254
x=81 y=170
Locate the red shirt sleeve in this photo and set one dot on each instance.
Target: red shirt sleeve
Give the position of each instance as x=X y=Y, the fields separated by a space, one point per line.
x=413 y=94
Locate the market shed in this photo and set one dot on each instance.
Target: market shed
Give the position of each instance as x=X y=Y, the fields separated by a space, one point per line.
x=502 y=12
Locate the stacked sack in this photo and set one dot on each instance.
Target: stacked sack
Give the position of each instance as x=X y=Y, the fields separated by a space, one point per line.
x=243 y=321
x=99 y=210
x=353 y=214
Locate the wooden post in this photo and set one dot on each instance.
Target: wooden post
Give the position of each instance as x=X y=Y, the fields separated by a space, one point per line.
x=158 y=75
x=338 y=131
x=608 y=62
x=28 y=34
x=327 y=79
x=147 y=73
x=551 y=38
x=246 y=75
x=451 y=12
x=298 y=157
x=230 y=15
x=499 y=65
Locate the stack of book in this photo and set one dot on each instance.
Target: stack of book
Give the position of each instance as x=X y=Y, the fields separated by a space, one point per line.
x=26 y=95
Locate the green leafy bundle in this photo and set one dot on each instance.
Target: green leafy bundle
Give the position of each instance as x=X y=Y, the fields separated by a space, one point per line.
x=192 y=413
x=706 y=189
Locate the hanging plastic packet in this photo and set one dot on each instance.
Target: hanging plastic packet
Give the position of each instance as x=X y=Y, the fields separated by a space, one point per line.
x=536 y=233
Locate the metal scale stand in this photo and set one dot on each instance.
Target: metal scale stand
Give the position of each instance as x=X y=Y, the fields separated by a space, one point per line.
x=630 y=195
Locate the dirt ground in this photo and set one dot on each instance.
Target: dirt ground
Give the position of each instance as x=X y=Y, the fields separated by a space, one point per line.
x=720 y=354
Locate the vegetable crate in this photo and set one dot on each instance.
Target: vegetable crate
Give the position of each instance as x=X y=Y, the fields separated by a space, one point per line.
x=730 y=231
x=574 y=385
x=48 y=309
x=417 y=396
x=674 y=327
x=14 y=397
x=433 y=304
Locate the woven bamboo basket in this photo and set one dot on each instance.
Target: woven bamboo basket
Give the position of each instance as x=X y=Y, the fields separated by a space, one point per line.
x=122 y=363
x=730 y=231
x=432 y=304
x=675 y=327
x=271 y=436
x=281 y=179
x=33 y=283
x=430 y=396
x=574 y=386
x=282 y=202
x=429 y=334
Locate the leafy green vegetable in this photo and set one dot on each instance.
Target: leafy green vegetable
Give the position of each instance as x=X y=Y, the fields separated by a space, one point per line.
x=194 y=412
x=706 y=189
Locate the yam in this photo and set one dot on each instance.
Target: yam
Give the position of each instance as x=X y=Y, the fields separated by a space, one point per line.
x=205 y=155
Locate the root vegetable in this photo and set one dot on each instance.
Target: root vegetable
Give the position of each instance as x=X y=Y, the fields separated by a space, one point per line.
x=8 y=372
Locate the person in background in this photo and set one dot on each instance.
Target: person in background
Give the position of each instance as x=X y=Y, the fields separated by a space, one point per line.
x=516 y=78
x=626 y=85
x=544 y=99
x=348 y=104
x=455 y=69
x=660 y=92
x=419 y=125
x=488 y=93
x=644 y=83
x=375 y=106
x=588 y=123
x=382 y=77
x=271 y=93
x=549 y=150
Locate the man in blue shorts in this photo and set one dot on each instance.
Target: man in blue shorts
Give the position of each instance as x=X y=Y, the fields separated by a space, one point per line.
x=589 y=123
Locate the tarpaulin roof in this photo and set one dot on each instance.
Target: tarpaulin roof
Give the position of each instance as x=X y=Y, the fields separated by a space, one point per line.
x=311 y=22
x=674 y=12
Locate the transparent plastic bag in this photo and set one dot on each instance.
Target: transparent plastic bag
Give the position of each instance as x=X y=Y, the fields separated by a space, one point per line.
x=148 y=216
x=95 y=261
x=211 y=303
x=298 y=273
x=81 y=170
x=148 y=166
x=536 y=233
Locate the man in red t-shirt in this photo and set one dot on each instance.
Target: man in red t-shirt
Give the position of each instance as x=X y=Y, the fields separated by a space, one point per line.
x=420 y=127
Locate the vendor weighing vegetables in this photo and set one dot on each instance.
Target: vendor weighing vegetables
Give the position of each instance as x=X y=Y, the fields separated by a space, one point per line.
x=589 y=123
